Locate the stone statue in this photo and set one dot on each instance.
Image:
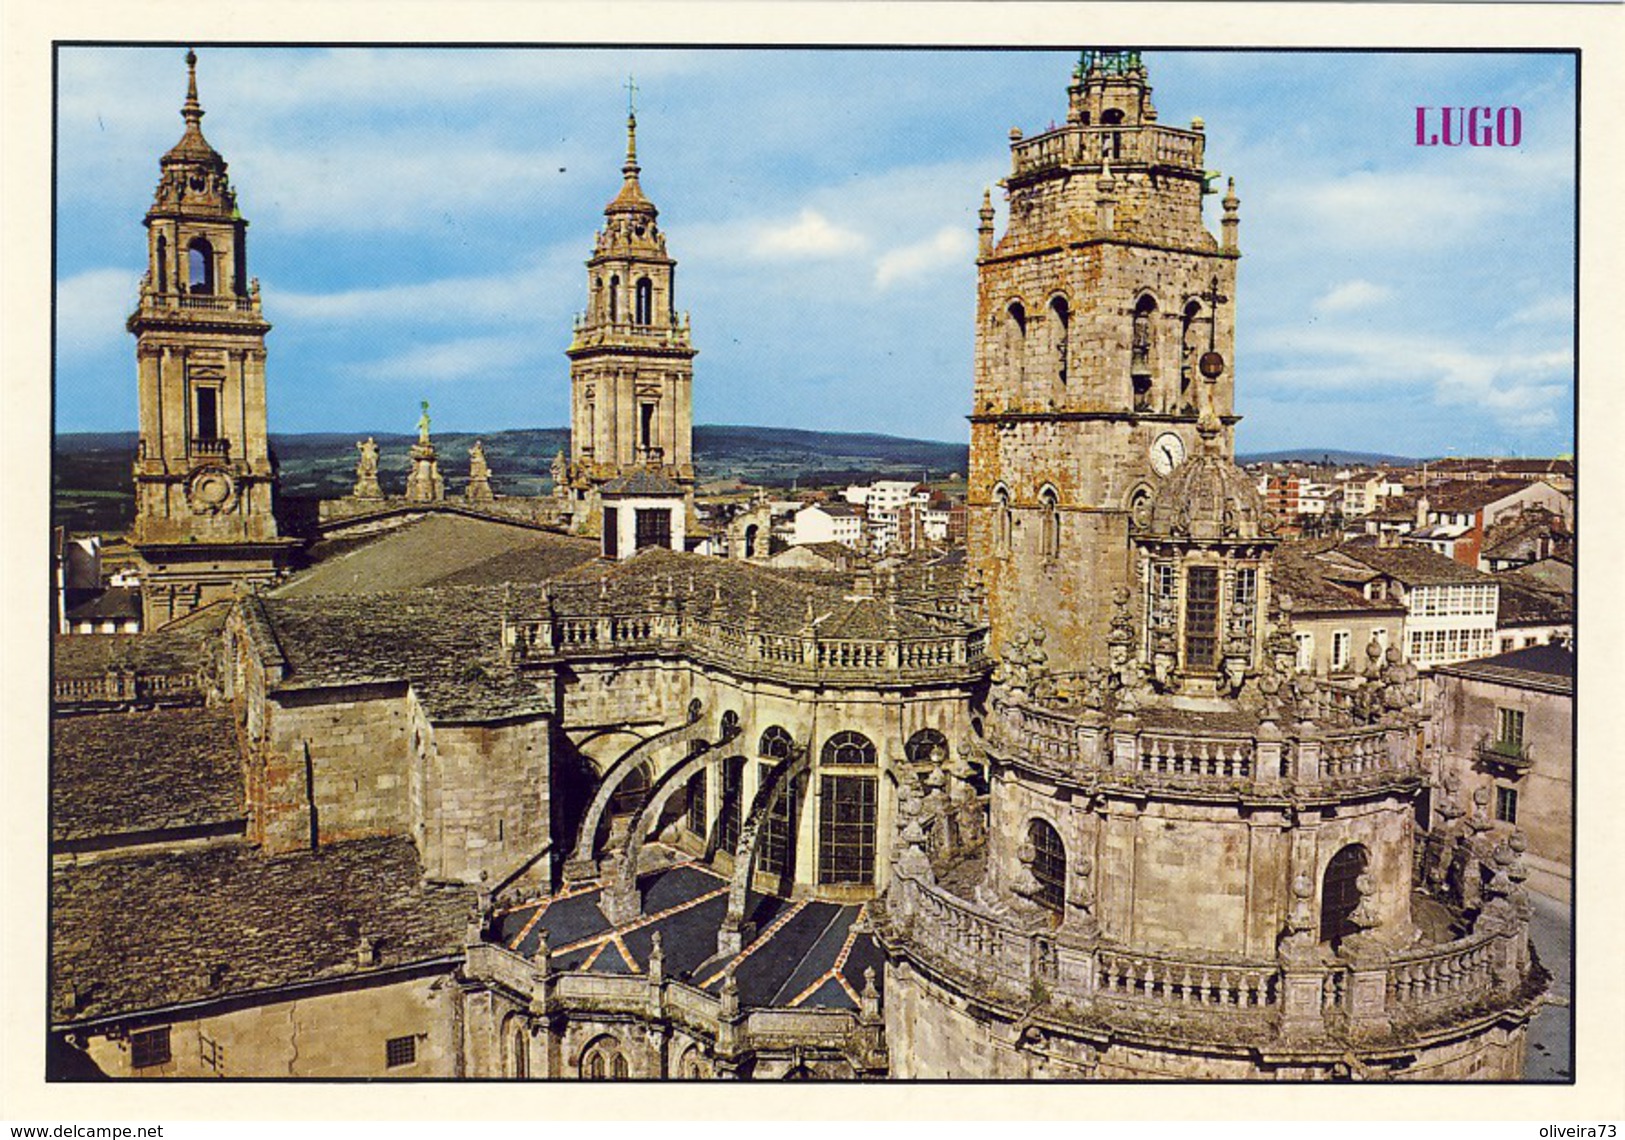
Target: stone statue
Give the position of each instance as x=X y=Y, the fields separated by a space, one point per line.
x=423 y=424
x=561 y=473
x=479 y=475
x=366 y=471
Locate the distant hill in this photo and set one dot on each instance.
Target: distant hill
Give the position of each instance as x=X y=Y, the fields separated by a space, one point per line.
x=94 y=492
x=1328 y=456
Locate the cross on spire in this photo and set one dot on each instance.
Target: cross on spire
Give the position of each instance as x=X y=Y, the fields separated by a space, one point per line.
x=631 y=96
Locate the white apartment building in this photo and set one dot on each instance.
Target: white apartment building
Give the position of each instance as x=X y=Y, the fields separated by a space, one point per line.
x=828 y=522
x=1450 y=609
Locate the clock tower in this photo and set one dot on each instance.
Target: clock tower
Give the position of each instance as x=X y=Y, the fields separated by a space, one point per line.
x=1104 y=332
x=204 y=476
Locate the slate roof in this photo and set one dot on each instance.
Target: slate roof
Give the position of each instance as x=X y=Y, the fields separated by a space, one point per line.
x=641 y=483
x=805 y=954
x=722 y=586
x=1527 y=602
x=180 y=647
x=1547 y=668
x=443 y=640
x=439 y=549
x=1303 y=577
x=1413 y=565
x=119 y=603
x=1465 y=496
x=122 y=772
x=144 y=931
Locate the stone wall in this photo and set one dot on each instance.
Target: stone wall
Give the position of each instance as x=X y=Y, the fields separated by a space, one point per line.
x=487 y=803
x=335 y=1034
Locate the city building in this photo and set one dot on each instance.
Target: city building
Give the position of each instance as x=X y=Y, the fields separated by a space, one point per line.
x=1451 y=611
x=470 y=796
x=1506 y=742
x=829 y=522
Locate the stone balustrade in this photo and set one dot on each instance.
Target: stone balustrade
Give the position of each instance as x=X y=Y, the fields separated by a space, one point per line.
x=735 y=645
x=1084 y=745
x=118 y=687
x=1076 y=146
x=1372 y=994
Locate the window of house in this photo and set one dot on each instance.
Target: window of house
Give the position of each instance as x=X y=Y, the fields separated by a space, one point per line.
x=653 y=528
x=149 y=1047
x=1509 y=728
x=1506 y=805
x=612 y=532
x=1341 y=641
x=1306 y=651
x=848 y=747
x=1049 y=864
x=400 y=1051
x=1246 y=596
x=846 y=829
x=1201 y=617
x=1380 y=636
x=212 y=1054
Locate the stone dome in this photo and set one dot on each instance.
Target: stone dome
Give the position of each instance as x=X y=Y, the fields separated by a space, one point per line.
x=1207 y=499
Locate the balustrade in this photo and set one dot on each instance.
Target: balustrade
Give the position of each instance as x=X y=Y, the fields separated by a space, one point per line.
x=1174 y=982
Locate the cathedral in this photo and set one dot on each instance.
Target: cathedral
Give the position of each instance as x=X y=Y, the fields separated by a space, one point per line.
x=488 y=787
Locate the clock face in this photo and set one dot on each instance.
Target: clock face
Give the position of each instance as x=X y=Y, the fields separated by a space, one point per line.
x=1167 y=452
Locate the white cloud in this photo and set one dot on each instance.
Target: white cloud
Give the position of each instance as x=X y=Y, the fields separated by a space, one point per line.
x=459 y=359
x=949 y=246
x=497 y=298
x=811 y=235
x=1556 y=311
x=91 y=308
x=1351 y=295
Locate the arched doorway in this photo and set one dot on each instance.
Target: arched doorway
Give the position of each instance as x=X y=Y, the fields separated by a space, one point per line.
x=1340 y=892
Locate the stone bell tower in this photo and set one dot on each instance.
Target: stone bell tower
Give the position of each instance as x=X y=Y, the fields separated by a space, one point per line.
x=1098 y=313
x=631 y=361
x=204 y=477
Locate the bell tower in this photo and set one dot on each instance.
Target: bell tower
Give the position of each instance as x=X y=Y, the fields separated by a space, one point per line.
x=1099 y=312
x=631 y=361
x=204 y=477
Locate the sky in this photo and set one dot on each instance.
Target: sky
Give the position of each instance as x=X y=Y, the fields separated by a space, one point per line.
x=419 y=220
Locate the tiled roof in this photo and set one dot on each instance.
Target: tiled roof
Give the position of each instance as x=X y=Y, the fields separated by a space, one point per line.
x=123 y=772
x=143 y=932
x=1304 y=578
x=443 y=640
x=120 y=603
x=1549 y=668
x=440 y=549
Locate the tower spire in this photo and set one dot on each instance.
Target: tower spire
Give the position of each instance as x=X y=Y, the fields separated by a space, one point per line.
x=191 y=110
x=631 y=167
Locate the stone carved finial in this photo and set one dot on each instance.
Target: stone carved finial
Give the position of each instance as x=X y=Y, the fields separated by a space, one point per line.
x=1297 y=942
x=728 y=997
x=1024 y=882
x=561 y=473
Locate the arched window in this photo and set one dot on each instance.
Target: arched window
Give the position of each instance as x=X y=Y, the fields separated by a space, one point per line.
x=730 y=725
x=1189 y=351
x=633 y=790
x=846 y=829
x=520 y=1054
x=696 y=803
x=200 y=266
x=1340 y=892
x=614 y=299
x=1111 y=116
x=1051 y=503
x=848 y=747
x=776 y=743
x=1001 y=520
x=1143 y=352
x=926 y=746
x=643 y=301
x=603 y=1060
x=776 y=855
x=163 y=264
x=1015 y=341
x=751 y=532
x=1060 y=332
x=731 y=805
x=1049 y=865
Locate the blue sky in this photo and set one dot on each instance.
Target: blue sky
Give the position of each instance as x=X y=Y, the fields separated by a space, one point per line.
x=419 y=221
